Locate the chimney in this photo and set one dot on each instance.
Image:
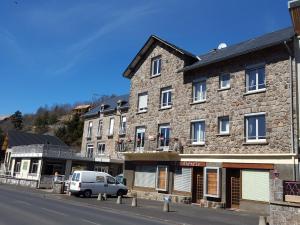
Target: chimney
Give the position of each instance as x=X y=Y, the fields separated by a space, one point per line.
x=294 y=8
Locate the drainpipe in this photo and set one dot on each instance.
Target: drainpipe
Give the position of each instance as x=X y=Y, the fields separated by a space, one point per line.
x=294 y=150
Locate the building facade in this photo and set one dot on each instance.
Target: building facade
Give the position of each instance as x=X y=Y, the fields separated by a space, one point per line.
x=213 y=129
x=104 y=135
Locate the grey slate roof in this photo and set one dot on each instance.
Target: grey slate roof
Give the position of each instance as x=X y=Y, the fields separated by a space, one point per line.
x=139 y=56
x=242 y=48
x=17 y=138
x=111 y=105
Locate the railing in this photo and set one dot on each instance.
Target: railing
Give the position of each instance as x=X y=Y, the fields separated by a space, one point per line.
x=46 y=150
x=151 y=145
x=291 y=188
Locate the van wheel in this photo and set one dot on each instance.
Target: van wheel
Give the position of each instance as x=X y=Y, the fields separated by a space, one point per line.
x=120 y=193
x=87 y=193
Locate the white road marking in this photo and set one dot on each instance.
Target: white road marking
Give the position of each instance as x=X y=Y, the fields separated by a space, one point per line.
x=91 y=222
x=54 y=211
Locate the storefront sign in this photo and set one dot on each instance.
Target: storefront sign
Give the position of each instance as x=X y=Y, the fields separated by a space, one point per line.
x=187 y=163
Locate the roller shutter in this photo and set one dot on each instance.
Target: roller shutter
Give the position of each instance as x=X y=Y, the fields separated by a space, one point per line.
x=183 y=179
x=255 y=185
x=144 y=176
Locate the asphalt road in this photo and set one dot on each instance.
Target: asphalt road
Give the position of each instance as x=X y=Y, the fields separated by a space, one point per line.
x=21 y=207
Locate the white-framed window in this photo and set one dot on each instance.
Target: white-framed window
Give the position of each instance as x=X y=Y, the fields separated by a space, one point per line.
x=255 y=127
x=155 y=66
x=164 y=136
x=255 y=79
x=199 y=90
x=212 y=182
x=101 y=148
x=90 y=150
x=143 y=102
x=34 y=165
x=100 y=128
x=224 y=81
x=198 y=132
x=123 y=125
x=111 y=126
x=140 y=138
x=223 y=125
x=166 y=98
x=162 y=178
x=90 y=129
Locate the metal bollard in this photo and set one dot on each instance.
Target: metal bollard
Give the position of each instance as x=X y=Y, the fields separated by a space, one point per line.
x=166 y=206
x=99 y=197
x=134 y=202
x=119 y=200
x=262 y=220
x=69 y=193
x=104 y=196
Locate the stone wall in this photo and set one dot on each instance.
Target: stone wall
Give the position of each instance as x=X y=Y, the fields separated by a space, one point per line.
x=109 y=141
x=233 y=102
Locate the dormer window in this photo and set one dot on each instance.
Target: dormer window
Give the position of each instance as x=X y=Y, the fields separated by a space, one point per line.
x=155 y=66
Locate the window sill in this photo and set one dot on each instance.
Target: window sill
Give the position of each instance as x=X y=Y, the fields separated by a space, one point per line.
x=110 y=135
x=256 y=143
x=141 y=112
x=224 y=89
x=155 y=75
x=198 y=102
x=196 y=144
x=255 y=91
x=225 y=134
x=164 y=108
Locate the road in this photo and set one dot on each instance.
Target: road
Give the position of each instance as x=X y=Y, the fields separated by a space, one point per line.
x=22 y=207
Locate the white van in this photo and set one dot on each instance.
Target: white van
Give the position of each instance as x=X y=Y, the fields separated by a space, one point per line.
x=88 y=183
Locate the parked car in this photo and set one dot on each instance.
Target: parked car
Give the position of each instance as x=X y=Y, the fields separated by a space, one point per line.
x=88 y=183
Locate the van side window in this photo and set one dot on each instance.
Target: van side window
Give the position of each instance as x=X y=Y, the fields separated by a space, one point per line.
x=111 y=180
x=100 y=179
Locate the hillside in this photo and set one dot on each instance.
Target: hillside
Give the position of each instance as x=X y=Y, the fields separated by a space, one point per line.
x=58 y=120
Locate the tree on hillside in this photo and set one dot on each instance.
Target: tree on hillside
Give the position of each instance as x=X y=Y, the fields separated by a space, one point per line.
x=17 y=120
x=71 y=132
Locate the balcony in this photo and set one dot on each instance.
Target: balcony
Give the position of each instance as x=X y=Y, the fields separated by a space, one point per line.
x=150 y=145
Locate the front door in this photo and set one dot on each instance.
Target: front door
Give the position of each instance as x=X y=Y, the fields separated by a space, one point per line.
x=197 y=184
x=233 y=186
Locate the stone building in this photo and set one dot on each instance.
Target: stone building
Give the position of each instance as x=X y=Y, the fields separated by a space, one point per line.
x=209 y=129
x=104 y=134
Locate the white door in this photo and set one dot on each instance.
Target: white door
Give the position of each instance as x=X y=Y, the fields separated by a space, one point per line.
x=140 y=139
x=99 y=185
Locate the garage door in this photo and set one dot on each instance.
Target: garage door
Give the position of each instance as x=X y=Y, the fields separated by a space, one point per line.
x=144 y=176
x=255 y=185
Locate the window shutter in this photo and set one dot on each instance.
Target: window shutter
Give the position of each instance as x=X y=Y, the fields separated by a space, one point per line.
x=143 y=100
x=255 y=185
x=111 y=125
x=183 y=180
x=144 y=176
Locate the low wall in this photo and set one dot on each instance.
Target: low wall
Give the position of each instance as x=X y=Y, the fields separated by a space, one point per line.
x=19 y=182
x=282 y=212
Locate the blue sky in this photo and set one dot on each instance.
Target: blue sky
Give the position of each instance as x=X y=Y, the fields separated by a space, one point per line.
x=64 y=51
